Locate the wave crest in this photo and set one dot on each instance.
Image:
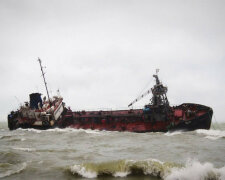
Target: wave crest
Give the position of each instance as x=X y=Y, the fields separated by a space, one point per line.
x=164 y=170
x=196 y=171
x=122 y=168
x=10 y=169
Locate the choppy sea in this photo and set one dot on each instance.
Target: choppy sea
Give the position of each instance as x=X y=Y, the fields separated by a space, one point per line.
x=81 y=154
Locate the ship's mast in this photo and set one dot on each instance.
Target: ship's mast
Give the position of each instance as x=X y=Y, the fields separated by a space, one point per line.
x=43 y=74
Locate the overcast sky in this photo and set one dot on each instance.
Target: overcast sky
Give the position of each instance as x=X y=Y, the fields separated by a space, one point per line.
x=102 y=53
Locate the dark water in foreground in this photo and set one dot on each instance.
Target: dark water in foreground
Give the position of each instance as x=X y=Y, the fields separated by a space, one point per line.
x=80 y=154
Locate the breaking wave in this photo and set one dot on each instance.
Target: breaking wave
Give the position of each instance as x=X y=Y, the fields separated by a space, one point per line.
x=196 y=171
x=122 y=168
x=7 y=169
x=151 y=167
x=212 y=134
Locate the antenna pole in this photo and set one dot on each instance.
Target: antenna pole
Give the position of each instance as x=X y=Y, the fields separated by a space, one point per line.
x=43 y=74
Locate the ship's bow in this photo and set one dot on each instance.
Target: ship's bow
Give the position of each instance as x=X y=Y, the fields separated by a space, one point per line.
x=203 y=118
x=194 y=116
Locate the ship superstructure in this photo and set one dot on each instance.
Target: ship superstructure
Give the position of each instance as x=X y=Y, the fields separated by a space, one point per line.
x=37 y=113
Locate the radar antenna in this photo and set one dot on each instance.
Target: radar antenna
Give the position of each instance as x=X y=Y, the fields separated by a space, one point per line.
x=43 y=74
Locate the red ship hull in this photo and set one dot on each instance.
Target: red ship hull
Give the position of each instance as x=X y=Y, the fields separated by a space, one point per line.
x=185 y=116
x=154 y=119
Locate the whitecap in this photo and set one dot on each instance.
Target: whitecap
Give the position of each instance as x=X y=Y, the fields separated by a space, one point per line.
x=31 y=130
x=121 y=174
x=65 y=130
x=83 y=172
x=196 y=171
x=59 y=130
x=168 y=171
x=89 y=131
x=24 y=149
x=120 y=168
x=172 y=133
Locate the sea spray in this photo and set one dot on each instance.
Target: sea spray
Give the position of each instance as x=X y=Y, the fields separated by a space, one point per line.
x=197 y=171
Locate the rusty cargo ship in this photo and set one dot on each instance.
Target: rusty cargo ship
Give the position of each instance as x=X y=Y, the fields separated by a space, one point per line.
x=157 y=116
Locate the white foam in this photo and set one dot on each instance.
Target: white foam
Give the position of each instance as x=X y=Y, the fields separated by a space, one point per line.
x=65 y=130
x=88 y=131
x=15 y=169
x=24 y=149
x=173 y=133
x=92 y=131
x=121 y=174
x=212 y=134
x=194 y=170
x=83 y=172
x=59 y=130
x=23 y=139
x=154 y=160
x=31 y=130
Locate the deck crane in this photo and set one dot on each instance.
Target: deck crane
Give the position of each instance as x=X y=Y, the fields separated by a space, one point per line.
x=158 y=91
x=140 y=97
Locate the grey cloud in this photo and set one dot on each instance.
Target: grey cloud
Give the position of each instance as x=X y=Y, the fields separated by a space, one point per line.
x=101 y=53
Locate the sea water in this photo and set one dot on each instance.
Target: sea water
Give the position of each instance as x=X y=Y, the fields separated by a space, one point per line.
x=81 y=154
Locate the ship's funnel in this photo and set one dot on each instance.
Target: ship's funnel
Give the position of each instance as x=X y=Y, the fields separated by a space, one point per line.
x=35 y=98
